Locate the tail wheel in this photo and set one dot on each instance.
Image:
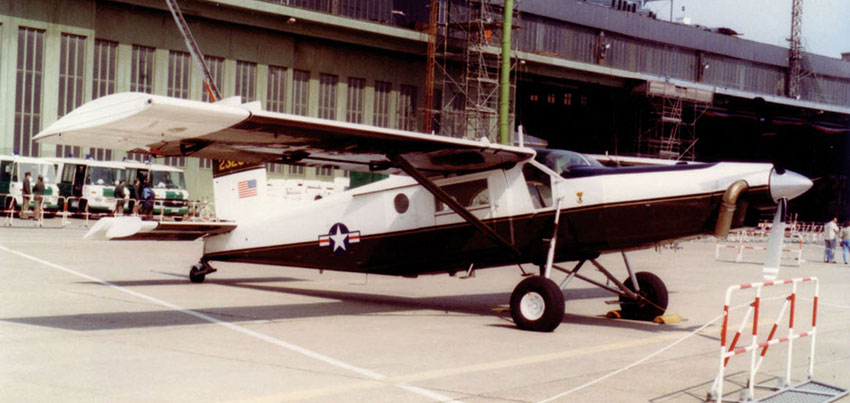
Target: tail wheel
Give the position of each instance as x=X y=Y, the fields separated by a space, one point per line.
x=197 y=274
x=537 y=304
x=654 y=298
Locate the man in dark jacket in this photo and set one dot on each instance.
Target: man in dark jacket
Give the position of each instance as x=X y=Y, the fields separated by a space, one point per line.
x=38 y=192
x=147 y=204
x=120 y=194
x=26 y=196
x=136 y=196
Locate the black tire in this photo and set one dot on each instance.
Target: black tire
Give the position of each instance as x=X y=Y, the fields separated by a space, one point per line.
x=537 y=304
x=196 y=274
x=652 y=289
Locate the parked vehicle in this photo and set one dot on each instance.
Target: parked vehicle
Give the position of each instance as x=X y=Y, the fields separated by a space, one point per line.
x=168 y=184
x=12 y=171
x=88 y=183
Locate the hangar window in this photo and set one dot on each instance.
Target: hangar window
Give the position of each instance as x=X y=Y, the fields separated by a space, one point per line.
x=473 y=194
x=354 y=106
x=141 y=69
x=178 y=74
x=30 y=71
x=325 y=170
x=327 y=96
x=296 y=169
x=407 y=107
x=382 y=104
x=276 y=89
x=103 y=81
x=72 y=58
x=246 y=80
x=216 y=67
x=300 y=90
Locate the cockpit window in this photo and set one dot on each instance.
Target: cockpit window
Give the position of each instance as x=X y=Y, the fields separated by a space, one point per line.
x=539 y=186
x=562 y=161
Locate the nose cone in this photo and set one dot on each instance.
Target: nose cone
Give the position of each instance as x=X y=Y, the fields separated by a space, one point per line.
x=788 y=185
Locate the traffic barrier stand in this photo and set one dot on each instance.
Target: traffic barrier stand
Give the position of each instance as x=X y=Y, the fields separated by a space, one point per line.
x=65 y=213
x=791 y=250
x=9 y=207
x=806 y=391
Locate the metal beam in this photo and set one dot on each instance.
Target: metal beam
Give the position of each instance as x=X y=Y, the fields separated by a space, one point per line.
x=505 y=81
x=444 y=197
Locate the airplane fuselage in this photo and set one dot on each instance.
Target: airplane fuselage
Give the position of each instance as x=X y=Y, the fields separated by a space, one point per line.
x=397 y=227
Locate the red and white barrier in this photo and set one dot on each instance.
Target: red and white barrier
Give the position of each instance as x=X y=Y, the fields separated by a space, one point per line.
x=792 y=248
x=756 y=358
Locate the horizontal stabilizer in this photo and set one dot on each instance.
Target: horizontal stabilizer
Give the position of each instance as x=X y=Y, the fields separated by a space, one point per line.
x=134 y=229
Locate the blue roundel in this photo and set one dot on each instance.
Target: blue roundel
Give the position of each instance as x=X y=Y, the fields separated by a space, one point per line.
x=339 y=238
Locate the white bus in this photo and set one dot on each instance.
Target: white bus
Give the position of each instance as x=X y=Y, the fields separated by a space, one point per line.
x=12 y=171
x=88 y=182
x=168 y=184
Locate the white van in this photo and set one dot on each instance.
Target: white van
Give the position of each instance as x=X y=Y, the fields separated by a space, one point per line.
x=168 y=184
x=88 y=182
x=12 y=171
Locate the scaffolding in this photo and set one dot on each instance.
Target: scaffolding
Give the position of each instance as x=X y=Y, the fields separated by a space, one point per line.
x=462 y=83
x=669 y=130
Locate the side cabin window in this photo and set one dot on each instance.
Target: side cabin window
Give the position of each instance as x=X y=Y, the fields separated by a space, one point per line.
x=539 y=186
x=68 y=173
x=6 y=171
x=472 y=195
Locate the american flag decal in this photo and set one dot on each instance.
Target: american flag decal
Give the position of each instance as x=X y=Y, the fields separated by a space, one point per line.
x=247 y=188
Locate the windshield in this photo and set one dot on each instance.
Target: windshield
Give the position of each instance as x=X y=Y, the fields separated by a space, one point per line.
x=563 y=160
x=104 y=176
x=47 y=171
x=167 y=180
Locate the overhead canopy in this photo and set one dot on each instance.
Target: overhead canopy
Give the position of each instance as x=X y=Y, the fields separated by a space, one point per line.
x=230 y=131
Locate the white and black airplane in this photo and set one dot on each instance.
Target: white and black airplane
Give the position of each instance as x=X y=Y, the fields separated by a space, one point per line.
x=459 y=205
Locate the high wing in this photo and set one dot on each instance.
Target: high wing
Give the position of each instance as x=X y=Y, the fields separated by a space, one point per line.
x=228 y=130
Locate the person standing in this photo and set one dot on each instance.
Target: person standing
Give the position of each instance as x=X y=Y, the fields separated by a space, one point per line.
x=137 y=197
x=830 y=230
x=26 y=196
x=38 y=193
x=147 y=205
x=120 y=194
x=844 y=234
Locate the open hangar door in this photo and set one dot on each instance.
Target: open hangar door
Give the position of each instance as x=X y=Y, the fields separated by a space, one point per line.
x=573 y=115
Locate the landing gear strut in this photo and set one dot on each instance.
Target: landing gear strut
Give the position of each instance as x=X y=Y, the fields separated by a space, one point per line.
x=199 y=271
x=643 y=296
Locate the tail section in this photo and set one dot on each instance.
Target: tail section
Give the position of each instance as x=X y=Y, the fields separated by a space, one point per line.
x=239 y=189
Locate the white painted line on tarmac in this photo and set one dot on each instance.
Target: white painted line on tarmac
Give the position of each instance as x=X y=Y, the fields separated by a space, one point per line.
x=278 y=342
x=510 y=363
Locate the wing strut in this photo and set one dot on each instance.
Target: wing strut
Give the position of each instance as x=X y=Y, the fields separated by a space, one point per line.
x=444 y=197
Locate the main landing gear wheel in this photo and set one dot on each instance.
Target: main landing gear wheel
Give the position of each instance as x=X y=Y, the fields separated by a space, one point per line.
x=199 y=272
x=653 y=303
x=537 y=304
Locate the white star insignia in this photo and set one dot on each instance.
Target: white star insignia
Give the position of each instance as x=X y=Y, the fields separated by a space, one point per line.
x=338 y=240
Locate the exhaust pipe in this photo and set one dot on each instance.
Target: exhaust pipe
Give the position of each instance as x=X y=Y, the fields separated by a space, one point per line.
x=727 y=208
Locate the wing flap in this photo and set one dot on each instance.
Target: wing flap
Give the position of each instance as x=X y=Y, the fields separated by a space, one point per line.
x=133 y=229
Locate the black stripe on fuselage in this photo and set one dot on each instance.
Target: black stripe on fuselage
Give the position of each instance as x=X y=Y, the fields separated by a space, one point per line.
x=584 y=232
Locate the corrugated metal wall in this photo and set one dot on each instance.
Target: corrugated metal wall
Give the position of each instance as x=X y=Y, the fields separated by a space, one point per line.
x=571 y=41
